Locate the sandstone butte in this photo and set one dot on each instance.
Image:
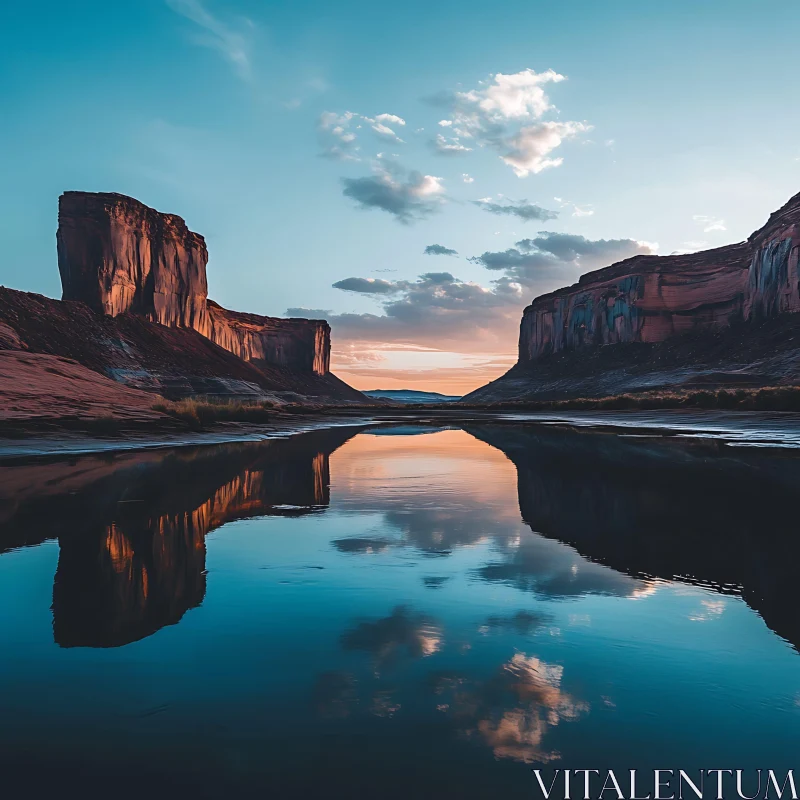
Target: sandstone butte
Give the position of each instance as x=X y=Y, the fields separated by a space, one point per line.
x=722 y=317
x=135 y=315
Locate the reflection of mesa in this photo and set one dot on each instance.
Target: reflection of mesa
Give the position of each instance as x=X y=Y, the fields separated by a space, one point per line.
x=131 y=531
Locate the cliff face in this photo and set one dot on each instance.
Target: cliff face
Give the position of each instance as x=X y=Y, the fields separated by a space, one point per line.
x=654 y=300
x=303 y=344
x=642 y=299
x=119 y=256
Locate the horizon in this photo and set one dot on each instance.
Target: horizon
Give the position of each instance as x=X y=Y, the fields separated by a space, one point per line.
x=418 y=201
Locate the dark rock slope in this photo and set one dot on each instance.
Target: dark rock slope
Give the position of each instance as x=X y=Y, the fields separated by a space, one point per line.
x=718 y=317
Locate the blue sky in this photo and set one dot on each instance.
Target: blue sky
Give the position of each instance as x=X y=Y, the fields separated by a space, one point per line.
x=678 y=124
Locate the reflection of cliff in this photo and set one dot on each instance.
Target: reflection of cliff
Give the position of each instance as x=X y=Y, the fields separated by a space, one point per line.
x=666 y=508
x=131 y=528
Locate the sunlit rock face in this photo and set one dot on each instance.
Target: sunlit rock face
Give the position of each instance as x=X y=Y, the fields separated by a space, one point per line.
x=119 y=256
x=653 y=298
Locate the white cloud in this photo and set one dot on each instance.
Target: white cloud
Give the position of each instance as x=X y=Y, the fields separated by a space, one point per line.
x=516 y=96
x=233 y=44
x=392 y=119
x=449 y=147
x=338 y=141
x=503 y=113
x=586 y=211
x=710 y=223
x=530 y=148
x=385 y=131
x=467 y=178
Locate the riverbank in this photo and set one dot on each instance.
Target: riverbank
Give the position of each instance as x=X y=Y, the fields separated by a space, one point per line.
x=727 y=428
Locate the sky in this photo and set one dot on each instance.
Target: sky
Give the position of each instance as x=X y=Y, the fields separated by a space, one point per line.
x=414 y=173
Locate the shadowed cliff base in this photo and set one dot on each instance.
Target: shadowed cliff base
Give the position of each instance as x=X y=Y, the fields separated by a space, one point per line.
x=743 y=358
x=131 y=528
x=132 y=352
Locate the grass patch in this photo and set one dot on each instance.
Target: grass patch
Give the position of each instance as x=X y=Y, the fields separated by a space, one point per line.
x=770 y=398
x=199 y=414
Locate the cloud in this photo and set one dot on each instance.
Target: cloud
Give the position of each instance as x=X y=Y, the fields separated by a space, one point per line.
x=436 y=310
x=448 y=147
x=408 y=196
x=578 y=211
x=528 y=151
x=439 y=250
x=522 y=209
x=467 y=178
x=392 y=119
x=387 y=639
x=338 y=141
x=503 y=113
x=710 y=223
x=516 y=96
x=367 y=286
x=232 y=44
x=591 y=252
x=546 y=256
x=439 y=310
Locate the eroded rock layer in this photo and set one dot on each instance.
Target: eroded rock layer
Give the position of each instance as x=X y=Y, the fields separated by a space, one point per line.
x=303 y=344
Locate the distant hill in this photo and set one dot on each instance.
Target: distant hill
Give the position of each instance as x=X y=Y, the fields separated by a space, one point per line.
x=410 y=396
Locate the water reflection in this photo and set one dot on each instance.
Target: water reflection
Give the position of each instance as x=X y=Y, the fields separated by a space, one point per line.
x=468 y=602
x=131 y=528
x=699 y=511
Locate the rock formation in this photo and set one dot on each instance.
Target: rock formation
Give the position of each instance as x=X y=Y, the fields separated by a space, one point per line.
x=119 y=256
x=135 y=308
x=660 y=299
x=302 y=344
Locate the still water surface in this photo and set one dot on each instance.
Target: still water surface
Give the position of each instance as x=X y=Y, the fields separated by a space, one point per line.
x=400 y=612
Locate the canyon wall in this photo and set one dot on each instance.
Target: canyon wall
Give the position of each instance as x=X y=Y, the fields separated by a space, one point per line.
x=711 y=319
x=653 y=298
x=301 y=343
x=119 y=256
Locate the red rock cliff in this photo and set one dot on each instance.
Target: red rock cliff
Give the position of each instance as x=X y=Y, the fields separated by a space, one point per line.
x=653 y=298
x=117 y=255
x=300 y=343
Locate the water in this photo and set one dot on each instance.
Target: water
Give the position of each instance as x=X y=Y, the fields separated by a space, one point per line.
x=398 y=612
